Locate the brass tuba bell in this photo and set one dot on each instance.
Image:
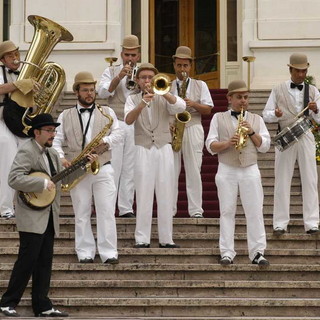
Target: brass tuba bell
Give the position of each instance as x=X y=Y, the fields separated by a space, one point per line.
x=49 y=75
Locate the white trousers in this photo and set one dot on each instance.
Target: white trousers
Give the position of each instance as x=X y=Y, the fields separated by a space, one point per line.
x=304 y=152
x=192 y=152
x=247 y=181
x=9 y=144
x=103 y=190
x=154 y=175
x=123 y=165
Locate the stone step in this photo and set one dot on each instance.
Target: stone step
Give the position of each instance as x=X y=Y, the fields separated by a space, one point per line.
x=182 y=256
x=179 y=307
x=185 y=240
x=180 y=288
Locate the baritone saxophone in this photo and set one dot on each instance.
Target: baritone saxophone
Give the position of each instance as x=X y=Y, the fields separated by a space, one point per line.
x=91 y=147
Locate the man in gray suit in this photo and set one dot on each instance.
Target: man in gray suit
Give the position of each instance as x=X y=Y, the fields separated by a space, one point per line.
x=37 y=228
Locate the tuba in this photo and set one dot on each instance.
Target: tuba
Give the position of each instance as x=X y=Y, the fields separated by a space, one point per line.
x=180 y=118
x=242 y=132
x=49 y=75
x=93 y=167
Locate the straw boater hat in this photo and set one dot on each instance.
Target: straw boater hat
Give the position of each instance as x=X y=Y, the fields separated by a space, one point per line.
x=83 y=77
x=146 y=66
x=130 y=42
x=183 y=52
x=299 y=61
x=7 y=46
x=237 y=86
x=41 y=120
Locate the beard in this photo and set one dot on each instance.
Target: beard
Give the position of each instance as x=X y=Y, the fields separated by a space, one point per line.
x=86 y=103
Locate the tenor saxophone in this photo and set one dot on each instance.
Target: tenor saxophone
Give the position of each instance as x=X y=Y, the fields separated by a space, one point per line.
x=93 y=167
x=242 y=132
x=180 y=118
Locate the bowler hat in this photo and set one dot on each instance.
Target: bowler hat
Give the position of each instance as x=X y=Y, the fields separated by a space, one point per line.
x=183 y=52
x=83 y=77
x=7 y=46
x=41 y=120
x=130 y=42
x=299 y=61
x=146 y=66
x=237 y=86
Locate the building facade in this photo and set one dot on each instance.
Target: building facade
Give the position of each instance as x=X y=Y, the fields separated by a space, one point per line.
x=220 y=33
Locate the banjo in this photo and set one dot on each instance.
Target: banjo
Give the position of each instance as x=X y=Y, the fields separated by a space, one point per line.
x=42 y=200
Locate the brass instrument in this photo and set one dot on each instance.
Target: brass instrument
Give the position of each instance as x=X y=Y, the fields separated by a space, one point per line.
x=161 y=84
x=49 y=75
x=242 y=132
x=131 y=79
x=91 y=147
x=111 y=60
x=180 y=118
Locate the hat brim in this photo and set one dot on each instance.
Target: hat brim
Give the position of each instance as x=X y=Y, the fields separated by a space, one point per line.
x=182 y=56
x=82 y=82
x=40 y=125
x=240 y=90
x=299 y=66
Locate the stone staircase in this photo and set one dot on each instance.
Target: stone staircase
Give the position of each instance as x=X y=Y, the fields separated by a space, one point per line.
x=185 y=283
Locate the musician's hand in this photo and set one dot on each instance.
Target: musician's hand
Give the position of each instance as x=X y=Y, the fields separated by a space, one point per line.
x=36 y=86
x=148 y=97
x=103 y=146
x=189 y=103
x=313 y=106
x=234 y=139
x=125 y=71
x=248 y=126
x=51 y=186
x=92 y=157
x=65 y=163
x=172 y=128
x=278 y=113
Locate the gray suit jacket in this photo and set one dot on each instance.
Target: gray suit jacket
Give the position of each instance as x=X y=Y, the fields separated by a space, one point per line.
x=29 y=159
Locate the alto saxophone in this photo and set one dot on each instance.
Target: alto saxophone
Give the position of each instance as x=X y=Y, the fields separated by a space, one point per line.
x=93 y=167
x=180 y=118
x=242 y=132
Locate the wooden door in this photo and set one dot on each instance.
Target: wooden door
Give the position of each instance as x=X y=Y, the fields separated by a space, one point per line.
x=192 y=23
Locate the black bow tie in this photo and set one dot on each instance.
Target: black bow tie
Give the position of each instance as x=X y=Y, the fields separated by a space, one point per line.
x=15 y=72
x=293 y=85
x=236 y=113
x=86 y=109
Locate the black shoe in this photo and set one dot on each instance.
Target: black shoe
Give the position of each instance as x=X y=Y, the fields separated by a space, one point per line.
x=313 y=230
x=9 y=312
x=225 y=261
x=142 y=245
x=128 y=215
x=260 y=260
x=52 y=313
x=112 y=261
x=168 y=245
x=86 y=260
x=278 y=231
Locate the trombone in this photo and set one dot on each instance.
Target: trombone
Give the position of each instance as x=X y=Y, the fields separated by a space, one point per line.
x=160 y=84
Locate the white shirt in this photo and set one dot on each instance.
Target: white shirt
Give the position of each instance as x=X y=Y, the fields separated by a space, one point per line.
x=177 y=107
x=297 y=102
x=106 y=78
x=205 y=96
x=112 y=139
x=213 y=135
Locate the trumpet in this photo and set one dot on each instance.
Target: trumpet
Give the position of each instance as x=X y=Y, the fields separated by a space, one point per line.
x=130 y=82
x=160 y=84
